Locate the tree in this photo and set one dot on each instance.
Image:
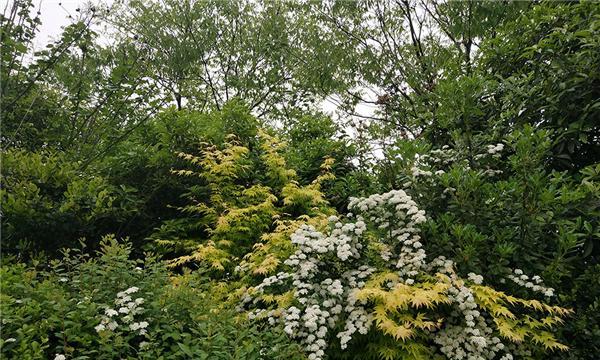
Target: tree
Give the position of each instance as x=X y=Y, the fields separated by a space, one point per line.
x=395 y=53
x=547 y=73
x=208 y=52
x=47 y=105
x=242 y=214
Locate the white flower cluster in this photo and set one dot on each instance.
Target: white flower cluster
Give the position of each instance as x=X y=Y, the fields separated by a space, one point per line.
x=396 y=212
x=495 y=149
x=477 y=279
x=437 y=161
x=493 y=152
x=534 y=283
x=467 y=334
x=441 y=265
x=491 y=172
x=358 y=320
x=416 y=172
x=323 y=305
x=425 y=164
x=443 y=156
x=126 y=308
x=311 y=243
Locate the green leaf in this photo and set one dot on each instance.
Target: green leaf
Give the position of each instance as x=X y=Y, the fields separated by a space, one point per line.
x=185 y=349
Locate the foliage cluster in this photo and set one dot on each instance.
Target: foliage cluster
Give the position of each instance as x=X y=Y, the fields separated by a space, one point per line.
x=251 y=205
x=59 y=309
x=51 y=203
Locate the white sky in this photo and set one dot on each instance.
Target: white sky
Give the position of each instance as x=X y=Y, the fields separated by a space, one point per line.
x=55 y=16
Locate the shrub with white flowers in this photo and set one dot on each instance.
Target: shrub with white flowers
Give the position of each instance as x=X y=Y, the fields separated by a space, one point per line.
x=124 y=313
x=534 y=283
x=97 y=315
x=367 y=273
x=438 y=161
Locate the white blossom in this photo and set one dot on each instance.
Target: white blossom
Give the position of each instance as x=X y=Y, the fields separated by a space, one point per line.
x=536 y=285
x=125 y=314
x=111 y=312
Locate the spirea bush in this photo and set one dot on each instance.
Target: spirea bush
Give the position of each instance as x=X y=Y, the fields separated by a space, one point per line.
x=367 y=276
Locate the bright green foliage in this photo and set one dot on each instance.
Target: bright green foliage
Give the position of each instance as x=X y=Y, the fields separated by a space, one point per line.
x=224 y=50
x=402 y=311
x=526 y=328
x=144 y=161
x=524 y=216
x=55 y=311
x=73 y=95
x=547 y=212
x=312 y=138
x=547 y=65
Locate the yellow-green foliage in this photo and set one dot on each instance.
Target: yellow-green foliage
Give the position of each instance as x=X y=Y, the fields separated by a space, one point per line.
x=404 y=312
x=277 y=170
x=521 y=327
x=251 y=224
x=208 y=253
x=220 y=169
x=275 y=246
x=309 y=196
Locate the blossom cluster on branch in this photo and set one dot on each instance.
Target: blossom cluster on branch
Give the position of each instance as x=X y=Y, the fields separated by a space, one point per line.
x=534 y=283
x=125 y=311
x=438 y=161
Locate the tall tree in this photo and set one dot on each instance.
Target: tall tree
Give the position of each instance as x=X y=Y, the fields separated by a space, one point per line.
x=209 y=52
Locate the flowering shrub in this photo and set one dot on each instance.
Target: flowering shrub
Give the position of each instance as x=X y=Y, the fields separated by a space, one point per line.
x=521 y=221
x=368 y=274
x=127 y=308
x=112 y=307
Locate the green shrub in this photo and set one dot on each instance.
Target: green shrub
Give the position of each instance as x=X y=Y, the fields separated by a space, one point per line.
x=48 y=203
x=112 y=307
